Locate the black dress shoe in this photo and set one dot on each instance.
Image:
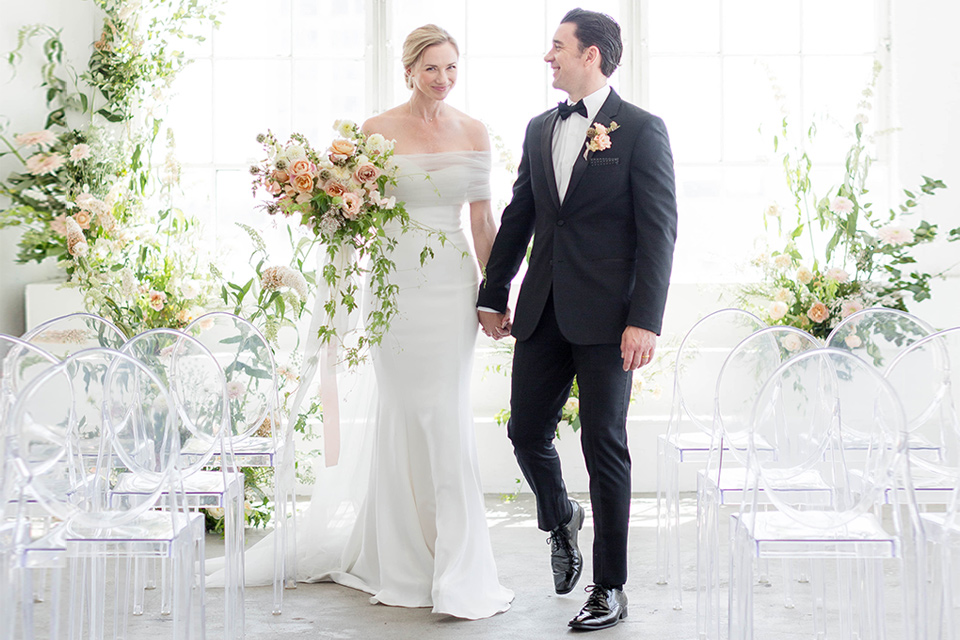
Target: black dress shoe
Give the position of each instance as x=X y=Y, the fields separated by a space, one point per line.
x=565 y=557
x=604 y=608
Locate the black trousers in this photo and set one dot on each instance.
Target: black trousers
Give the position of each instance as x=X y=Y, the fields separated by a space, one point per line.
x=544 y=366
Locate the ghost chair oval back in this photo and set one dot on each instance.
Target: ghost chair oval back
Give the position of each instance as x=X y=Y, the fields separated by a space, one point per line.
x=74 y=332
x=927 y=378
x=799 y=426
x=20 y=362
x=689 y=431
x=743 y=373
x=261 y=436
x=198 y=387
x=878 y=334
x=136 y=427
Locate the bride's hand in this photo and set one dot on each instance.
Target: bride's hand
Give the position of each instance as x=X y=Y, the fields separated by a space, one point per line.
x=495 y=325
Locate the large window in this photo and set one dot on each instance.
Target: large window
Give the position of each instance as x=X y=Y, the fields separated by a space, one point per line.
x=297 y=65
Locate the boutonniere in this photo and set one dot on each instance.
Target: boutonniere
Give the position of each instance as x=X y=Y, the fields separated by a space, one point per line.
x=598 y=138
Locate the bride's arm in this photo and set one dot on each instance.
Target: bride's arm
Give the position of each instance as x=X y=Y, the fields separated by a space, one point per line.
x=484 y=230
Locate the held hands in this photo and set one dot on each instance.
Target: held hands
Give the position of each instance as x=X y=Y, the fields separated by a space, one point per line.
x=636 y=347
x=495 y=325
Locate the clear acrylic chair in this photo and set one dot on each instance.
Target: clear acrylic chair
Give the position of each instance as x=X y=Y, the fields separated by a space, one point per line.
x=113 y=398
x=20 y=362
x=806 y=415
x=927 y=378
x=198 y=387
x=689 y=430
x=743 y=373
x=73 y=332
x=247 y=361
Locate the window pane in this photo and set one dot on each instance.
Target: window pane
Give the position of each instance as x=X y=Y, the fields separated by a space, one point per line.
x=324 y=91
x=191 y=113
x=410 y=14
x=833 y=89
x=329 y=28
x=493 y=78
x=254 y=28
x=670 y=29
x=750 y=92
x=685 y=92
x=839 y=27
x=235 y=203
x=250 y=96
x=505 y=28
x=761 y=26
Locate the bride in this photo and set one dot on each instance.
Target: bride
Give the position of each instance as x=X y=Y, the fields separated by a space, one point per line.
x=414 y=532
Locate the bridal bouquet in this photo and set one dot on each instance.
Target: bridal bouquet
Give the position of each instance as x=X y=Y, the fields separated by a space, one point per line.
x=339 y=195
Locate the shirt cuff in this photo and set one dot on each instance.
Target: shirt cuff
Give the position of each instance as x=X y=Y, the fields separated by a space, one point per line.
x=488 y=310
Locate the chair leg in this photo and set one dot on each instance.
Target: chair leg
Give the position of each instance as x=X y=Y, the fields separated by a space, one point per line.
x=708 y=565
x=663 y=561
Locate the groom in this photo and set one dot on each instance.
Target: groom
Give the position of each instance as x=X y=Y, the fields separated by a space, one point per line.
x=595 y=189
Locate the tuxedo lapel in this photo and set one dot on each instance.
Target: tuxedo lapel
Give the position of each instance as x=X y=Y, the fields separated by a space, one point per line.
x=605 y=116
x=546 y=152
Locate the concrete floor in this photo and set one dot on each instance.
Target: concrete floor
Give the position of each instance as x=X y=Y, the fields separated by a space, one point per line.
x=319 y=611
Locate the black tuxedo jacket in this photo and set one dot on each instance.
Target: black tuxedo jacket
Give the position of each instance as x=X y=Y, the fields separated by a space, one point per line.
x=607 y=251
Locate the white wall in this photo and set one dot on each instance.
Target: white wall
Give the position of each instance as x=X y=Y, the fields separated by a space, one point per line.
x=926 y=81
x=21 y=103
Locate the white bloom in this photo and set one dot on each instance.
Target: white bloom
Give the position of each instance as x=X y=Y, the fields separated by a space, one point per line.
x=773 y=210
x=762 y=259
x=277 y=277
x=804 y=275
x=345 y=128
x=377 y=144
x=862 y=118
x=295 y=152
x=782 y=261
x=837 y=275
x=128 y=10
x=849 y=307
x=235 y=389
x=79 y=152
x=128 y=282
x=189 y=289
x=792 y=342
x=841 y=205
x=782 y=294
x=777 y=310
x=389 y=203
x=895 y=234
x=853 y=341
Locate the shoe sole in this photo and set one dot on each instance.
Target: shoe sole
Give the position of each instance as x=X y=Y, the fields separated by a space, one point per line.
x=578 y=627
x=576 y=541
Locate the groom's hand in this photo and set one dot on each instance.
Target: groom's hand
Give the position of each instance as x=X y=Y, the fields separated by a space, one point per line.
x=495 y=325
x=636 y=347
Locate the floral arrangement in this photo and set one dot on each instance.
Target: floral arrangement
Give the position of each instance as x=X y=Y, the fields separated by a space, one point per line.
x=340 y=196
x=598 y=138
x=84 y=194
x=865 y=258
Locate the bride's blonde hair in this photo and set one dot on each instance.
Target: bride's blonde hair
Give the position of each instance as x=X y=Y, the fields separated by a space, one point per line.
x=416 y=43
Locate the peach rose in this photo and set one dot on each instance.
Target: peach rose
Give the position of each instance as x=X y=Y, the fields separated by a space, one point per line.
x=303 y=167
x=281 y=176
x=272 y=187
x=303 y=183
x=157 y=300
x=83 y=219
x=366 y=173
x=334 y=189
x=351 y=205
x=341 y=150
x=818 y=312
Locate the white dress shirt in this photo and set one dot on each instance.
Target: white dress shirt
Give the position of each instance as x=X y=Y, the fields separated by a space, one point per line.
x=570 y=136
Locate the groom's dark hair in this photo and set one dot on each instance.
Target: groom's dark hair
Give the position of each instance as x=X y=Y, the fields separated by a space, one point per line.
x=601 y=31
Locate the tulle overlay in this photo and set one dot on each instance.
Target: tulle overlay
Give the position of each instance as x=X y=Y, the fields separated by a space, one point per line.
x=402 y=516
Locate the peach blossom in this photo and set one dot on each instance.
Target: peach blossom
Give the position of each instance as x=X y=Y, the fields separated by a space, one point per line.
x=818 y=312
x=303 y=167
x=366 y=173
x=80 y=152
x=157 y=300
x=83 y=219
x=850 y=307
x=42 y=163
x=303 y=183
x=35 y=137
x=334 y=189
x=351 y=205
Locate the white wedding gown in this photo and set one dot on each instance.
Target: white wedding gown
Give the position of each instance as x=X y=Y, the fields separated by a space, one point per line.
x=402 y=515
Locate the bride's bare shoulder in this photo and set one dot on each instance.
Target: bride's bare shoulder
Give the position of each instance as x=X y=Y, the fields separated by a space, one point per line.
x=386 y=123
x=476 y=131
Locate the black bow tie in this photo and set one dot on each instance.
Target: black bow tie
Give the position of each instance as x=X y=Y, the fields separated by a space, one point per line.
x=567 y=109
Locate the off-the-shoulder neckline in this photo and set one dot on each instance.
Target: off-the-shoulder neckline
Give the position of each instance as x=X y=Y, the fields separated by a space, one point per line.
x=440 y=153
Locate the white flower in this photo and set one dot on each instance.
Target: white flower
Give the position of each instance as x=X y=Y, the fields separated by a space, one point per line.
x=773 y=210
x=128 y=10
x=895 y=234
x=841 y=205
x=777 y=310
x=837 y=274
x=389 y=203
x=853 y=341
x=79 y=152
x=804 y=275
x=235 y=389
x=377 y=144
x=782 y=294
x=782 y=261
x=862 y=118
x=849 y=307
x=295 y=152
x=345 y=128
x=76 y=242
x=762 y=259
x=277 y=277
x=189 y=289
x=128 y=282
x=792 y=342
